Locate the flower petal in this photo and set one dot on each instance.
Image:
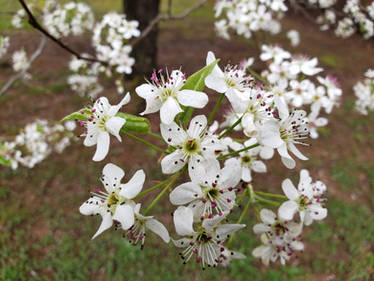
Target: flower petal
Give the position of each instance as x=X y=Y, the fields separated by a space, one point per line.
x=115 y=108
x=296 y=152
x=173 y=162
x=224 y=231
x=173 y=134
x=192 y=98
x=102 y=147
x=158 y=228
x=183 y=220
x=112 y=176
x=90 y=207
x=185 y=193
x=258 y=166
x=260 y=228
x=267 y=216
x=114 y=125
x=287 y=210
x=134 y=186
x=106 y=223
x=169 y=110
x=197 y=126
x=125 y=215
x=289 y=190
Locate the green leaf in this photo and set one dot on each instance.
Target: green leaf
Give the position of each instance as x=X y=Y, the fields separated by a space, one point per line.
x=196 y=82
x=134 y=123
x=4 y=161
x=76 y=116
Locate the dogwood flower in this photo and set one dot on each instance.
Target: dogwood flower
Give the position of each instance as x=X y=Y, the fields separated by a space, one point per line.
x=166 y=95
x=306 y=199
x=137 y=232
x=114 y=204
x=192 y=146
x=101 y=123
x=206 y=242
x=211 y=192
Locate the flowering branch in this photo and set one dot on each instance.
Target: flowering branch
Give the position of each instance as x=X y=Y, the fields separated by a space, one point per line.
x=237 y=151
x=229 y=129
x=34 y=23
x=21 y=74
x=151 y=145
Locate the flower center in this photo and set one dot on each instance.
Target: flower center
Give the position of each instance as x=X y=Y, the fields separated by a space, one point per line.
x=191 y=146
x=247 y=160
x=167 y=92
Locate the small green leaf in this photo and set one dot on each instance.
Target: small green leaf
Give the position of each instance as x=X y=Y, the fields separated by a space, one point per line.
x=75 y=116
x=196 y=81
x=4 y=161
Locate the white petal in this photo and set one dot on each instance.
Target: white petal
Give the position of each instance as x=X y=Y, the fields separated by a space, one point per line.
x=296 y=152
x=239 y=105
x=197 y=126
x=90 y=207
x=216 y=81
x=288 y=162
x=287 y=210
x=289 y=190
x=169 y=110
x=91 y=137
x=225 y=230
x=185 y=193
x=210 y=224
x=173 y=162
x=259 y=166
x=181 y=243
x=145 y=90
x=183 y=220
x=125 y=215
x=246 y=174
x=158 y=228
x=267 y=216
x=112 y=176
x=260 y=228
x=102 y=147
x=266 y=152
x=192 y=98
x=197 y=167
x=115 y=108
x=106 y=223
x=230 y=174
x=114 y=125
x=134 y=186
x=317 y=212
x=173 y=134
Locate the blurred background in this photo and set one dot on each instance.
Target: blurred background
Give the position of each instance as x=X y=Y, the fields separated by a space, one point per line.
x=42 y=234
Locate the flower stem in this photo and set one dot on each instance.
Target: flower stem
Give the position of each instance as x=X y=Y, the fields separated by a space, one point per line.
x=266 y=201
x=153 y=188
x=257 y=76
x=216 y=106
x=158 y=197
x=271 y=195
x=149 y=133
x=237 y=151
x=155 y=147
x=229 y=129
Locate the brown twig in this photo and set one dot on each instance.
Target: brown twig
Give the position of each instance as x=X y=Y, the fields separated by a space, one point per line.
x=34 y=23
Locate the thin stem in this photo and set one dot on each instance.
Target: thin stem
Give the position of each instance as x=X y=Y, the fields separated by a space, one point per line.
x=257 y=76
x=266 y=201
x=158 y=197
x=237 y=151
x=229 y=129
x=149 y=133
x=153 y=188
x=155 y=147
x=216 y=106
x=271 y=195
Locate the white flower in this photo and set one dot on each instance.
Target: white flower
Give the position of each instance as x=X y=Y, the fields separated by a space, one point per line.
x=232 y=78
x=248 y=160
x=137 y=232
x=20 y=61
x=274 y=53
x=206 y=242
x=294 y=37
x=210 y=192
x=4 y=45
x=192 y=146
x=166 y=95
x=102 y=123
x=114 y=204
x=305 y=66
x=315 y=121
x=284 y=134
x=306 y=199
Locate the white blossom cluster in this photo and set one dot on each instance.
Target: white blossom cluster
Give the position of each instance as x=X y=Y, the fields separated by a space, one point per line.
x=85 y=80
x=246 y=17
x=73 y=18
x=21 y=63
x=110 y=40
x=355 y=17
x=219 y=166
x=4 y=45
x=364 y=91
x=36 y=142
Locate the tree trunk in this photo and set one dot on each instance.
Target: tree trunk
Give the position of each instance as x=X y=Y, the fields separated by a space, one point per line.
x=145 y=52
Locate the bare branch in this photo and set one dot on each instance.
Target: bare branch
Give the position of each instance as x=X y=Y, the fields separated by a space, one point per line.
x=34 y=23
x=19 y=75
